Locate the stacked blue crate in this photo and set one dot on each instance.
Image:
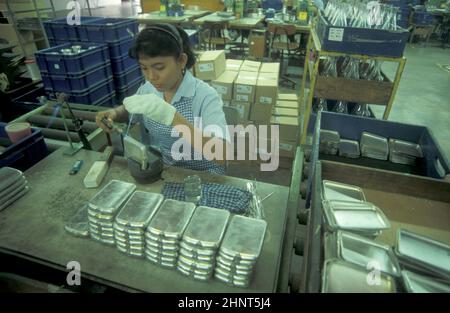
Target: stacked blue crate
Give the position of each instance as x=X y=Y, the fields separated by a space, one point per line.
x=81 y=70
x=404 y=10
x=119 y=34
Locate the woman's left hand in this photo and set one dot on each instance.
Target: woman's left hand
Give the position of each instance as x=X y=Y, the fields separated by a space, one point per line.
x=151 y=106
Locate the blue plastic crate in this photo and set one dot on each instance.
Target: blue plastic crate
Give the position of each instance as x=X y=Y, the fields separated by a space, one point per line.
x=80 y=81
x=366 y=41
x=54 y=42
x=350 y=127
x=90 y=95
x=106 y=101
x=128 y=90
x=25 y=153
x=109 y=30
x=122 y=64
x=129 y=76
x=52 y=61
x=59 y=28
x=120 y=48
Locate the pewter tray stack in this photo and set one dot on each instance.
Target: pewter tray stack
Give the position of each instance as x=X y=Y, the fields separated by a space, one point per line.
x=374 y=146
x=329 y=142
x=404 y=152
x=133 y=219
x=349 y=148
x=13 y=186
x=165 y=230
x=201 y=240
x=103 y=208
x=240 y=250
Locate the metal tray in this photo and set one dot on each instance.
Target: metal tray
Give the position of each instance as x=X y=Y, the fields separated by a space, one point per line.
x=160 y=246
x=401 y=147
x=194 y=274
x=109 y=200
x=231 y=277
x=374 y=146
x=343 y=192
x=195 y=265
x=14 y=198
x=206 y=227
x=425 y=252
x=78 y=224
x=169 y=262
x=349 y=148
x=367 y=219
x=231 y=281
x=330 y=245
x=129 y=238
x=165 y=253
x=339 y=276
x=193 y=270
x=171 y=219
x=233 y=265
x=235 y=270
x=105 y=241
x=244 y=238
x=139 y=209
x=362 y=251
x=101 y=229
x=136 y=151
x=9 y=176
x=236 y=260
x=15 y=187
x=195 y=256
x=128 y=230
x=198 y=251
x=12 y=195
x=415 y=283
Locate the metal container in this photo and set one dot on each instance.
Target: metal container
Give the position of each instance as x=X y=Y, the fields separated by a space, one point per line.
x=197 y=251
x=415 y=283
x=423 y=253
x=199 y=266
x=139 y=209
x=161 y=252
x=15 y=187
x=404 y=152
x=14 y=194
x=206 y=227
x=329 y=142
x=343 y=192
x=244 y=238
x=339 y=276
x=362 y=251
x=196 y=256
x=9 y=176
x=234 y=265
x=360 y=217
x=194 y=274
x=349 y=148
x=159 y=246
x=78 y=224
x=136 y=151
x=171 y=219
x=374 y=146
x=111 y=197
x=160 y=239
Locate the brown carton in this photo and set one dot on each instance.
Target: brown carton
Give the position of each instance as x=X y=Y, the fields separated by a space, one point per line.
x=210 y=65
x=233 y=65
x=224 y=84
x=270 y=68
x=265 y=97
x=250 y=66
x=288 y=127
x=243 y=108
x=287 y=97
x=245 y=86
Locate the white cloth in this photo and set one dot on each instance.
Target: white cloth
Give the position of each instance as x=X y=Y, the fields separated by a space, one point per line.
x=151 y=106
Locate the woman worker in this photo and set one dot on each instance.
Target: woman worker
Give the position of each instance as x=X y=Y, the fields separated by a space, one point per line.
x=172 y=100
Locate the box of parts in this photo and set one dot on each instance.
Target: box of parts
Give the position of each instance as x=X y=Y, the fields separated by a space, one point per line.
x=270 y=68
x=250 y=66
x=287 y=97
x=224 y=84
x=243 y=109
x=288 y=126
x=233 y=65
x=245 y=86
x=265 y=97
x=210 y=65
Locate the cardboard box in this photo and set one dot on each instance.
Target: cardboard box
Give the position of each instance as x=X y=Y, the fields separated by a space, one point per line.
x=250 y=66
x=287 y=97
x=270 y=68
x=285 y=111
x=233 y=65
x=245 y=86
x=224 y=84
x=288 y=127
x=257 y=43
x=243 y=108
x=287 y=104
x=265 y=97
x=210 y=65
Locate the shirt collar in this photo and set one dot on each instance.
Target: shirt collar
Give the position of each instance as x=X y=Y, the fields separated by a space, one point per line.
x=186 y=88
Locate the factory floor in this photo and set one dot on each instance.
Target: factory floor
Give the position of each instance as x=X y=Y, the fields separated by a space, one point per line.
x=423 y=97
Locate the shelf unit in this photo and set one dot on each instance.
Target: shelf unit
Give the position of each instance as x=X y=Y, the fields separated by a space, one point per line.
x=339 y=88
x=39 y=12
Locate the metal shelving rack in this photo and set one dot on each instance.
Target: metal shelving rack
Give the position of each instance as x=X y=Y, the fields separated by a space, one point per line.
x=13 y=15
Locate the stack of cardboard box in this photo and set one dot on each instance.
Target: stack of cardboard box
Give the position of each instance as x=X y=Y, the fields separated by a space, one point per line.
x=210 y=65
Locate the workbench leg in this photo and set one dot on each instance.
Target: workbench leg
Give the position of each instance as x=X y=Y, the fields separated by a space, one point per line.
x=398 y=76
x=312 y=86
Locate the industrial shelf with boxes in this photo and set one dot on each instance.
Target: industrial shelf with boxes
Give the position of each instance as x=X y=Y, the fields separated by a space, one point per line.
x=344 y=66
x=22 y=24
x=118 y=34
x=249 y=91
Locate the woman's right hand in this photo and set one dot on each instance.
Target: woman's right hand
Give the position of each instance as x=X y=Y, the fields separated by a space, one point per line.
x=110 y=115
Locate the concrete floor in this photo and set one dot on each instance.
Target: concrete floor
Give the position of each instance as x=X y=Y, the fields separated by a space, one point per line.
x=423 y=97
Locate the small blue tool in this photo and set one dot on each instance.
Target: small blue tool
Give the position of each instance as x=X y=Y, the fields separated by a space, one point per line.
x=76 y=167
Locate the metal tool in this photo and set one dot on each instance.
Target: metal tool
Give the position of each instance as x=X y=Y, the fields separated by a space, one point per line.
x=111 y=125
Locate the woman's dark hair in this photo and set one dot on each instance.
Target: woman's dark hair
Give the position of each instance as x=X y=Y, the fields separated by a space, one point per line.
x=163 y=40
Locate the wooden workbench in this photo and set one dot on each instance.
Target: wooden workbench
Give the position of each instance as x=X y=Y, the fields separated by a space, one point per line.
x=33 y=228
x=154 y=17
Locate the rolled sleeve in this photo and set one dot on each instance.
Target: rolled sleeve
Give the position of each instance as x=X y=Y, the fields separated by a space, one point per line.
x=212 y=116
